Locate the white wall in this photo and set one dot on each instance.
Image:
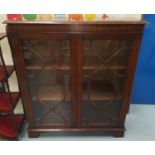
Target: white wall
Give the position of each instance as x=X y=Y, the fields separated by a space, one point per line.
x=7 y=54
x=8 y=60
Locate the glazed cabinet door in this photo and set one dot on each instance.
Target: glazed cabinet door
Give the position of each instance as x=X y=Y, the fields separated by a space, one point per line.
x=104 y=72
x=48 y=75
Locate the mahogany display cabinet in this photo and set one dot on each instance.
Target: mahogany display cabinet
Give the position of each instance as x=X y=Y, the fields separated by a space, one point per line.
x=75 y=76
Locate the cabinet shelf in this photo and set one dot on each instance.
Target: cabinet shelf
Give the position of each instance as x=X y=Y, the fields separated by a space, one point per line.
x=67 y=67
x=55 y=93
x=48 y=67
x=51 y=93
x=97 y=95
x=5 y=101
x=10 y=70
x=7 y=128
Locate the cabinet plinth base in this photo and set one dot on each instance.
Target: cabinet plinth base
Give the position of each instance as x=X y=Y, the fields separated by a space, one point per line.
x=33 y=134
x=118 y=134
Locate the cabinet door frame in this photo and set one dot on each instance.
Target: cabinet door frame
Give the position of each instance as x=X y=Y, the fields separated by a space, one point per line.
x=18 y=58
x=135 y=40
x=76 y=49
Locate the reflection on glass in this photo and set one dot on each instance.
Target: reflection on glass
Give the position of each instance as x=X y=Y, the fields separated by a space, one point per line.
x=48 y=73
x=104 y=71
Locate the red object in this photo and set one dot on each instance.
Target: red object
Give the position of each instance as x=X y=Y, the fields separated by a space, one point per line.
x=14 y=16
x=3 y=76
x=7 y=128
x=75 y=17
x=5 y=101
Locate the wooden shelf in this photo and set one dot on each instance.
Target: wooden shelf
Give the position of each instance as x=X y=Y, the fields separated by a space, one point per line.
x=7 y=128
x=10 y=70
x=67 y=67
x=5 y=101
x=55 y=93
x=101 y=95
x=48 y=67
x=51 y=93
x=99 y=91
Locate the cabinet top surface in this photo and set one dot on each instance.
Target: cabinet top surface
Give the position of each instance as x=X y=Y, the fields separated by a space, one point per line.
x=75 y=22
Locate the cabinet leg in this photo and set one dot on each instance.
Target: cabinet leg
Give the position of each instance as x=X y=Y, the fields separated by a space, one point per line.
x=15 y=139
x=33 y=134
x=118 y=134
x=128 y=110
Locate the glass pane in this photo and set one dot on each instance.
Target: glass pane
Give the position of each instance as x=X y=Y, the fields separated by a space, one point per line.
x=48 y=73
x=104 y=72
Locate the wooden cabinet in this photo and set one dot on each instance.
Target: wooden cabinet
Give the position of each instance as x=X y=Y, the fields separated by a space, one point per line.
x=75 y=76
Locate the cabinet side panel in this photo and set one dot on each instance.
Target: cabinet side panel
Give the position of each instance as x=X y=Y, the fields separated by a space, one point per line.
x=135 y=45
x=20 y=70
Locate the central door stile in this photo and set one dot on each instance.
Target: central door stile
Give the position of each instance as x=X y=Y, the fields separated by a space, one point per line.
x=76 y=86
